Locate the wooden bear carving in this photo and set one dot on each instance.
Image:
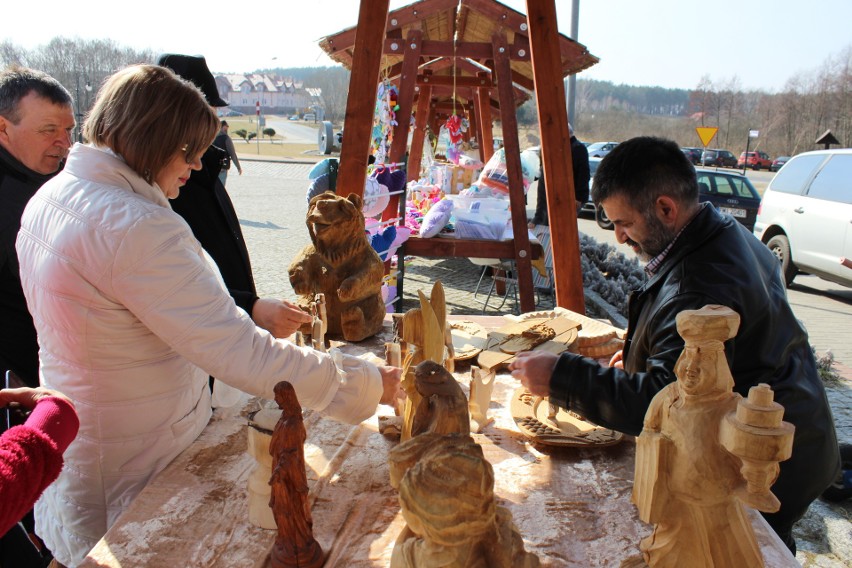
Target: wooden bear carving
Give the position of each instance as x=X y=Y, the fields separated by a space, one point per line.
x=341 y=264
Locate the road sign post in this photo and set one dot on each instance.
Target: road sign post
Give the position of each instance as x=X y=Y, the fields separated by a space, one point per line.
x=706 y=134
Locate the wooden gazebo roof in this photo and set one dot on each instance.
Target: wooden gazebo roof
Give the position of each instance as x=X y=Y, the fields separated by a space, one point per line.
x=473 y=24
x=481 y=55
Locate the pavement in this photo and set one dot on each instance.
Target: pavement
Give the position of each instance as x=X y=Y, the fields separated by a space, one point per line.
x=270 y=200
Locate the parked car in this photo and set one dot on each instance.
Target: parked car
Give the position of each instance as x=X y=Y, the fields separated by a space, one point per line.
x=600 y=149
x=309 y=116
x=778 y=162
x=729 y=192
x=805 y=214
x=718 y=158
x=693 y=154
x=754 y=160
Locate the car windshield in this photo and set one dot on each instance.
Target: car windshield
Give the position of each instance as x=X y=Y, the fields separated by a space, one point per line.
x=734 y=186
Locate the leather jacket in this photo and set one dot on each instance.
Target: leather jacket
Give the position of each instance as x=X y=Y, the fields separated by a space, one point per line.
x=715 y=261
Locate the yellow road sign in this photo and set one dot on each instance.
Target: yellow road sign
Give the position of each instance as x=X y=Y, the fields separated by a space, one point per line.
x=706 y=133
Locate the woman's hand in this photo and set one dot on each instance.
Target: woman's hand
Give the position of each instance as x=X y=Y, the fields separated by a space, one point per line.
x=534 y=370
x=391 y=391
x=27 y=397
x=279 y=317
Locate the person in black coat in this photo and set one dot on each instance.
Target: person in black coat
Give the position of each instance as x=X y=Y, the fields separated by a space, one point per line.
x=205 y=205
x=580 y=167
x=696 y=256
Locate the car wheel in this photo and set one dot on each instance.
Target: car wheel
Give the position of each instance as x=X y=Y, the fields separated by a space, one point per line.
x=602 y=220
x=780 y=247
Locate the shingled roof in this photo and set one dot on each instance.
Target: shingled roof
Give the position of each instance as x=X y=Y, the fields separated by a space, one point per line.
x=473 y=24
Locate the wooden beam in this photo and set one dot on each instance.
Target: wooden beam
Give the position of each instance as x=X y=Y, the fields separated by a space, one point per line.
x=361 y=101
x=405 y=100
x=448 y=80
x=512 y=150
x=418 y=138
x=556 y=155
x=483 y=118
x=445 y=248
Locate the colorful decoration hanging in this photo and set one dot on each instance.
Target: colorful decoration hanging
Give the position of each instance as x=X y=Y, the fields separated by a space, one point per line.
x=384 y=120
x=455 y=126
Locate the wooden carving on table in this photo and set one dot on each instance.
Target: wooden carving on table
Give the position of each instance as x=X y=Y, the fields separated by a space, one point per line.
x=442 y=408
x=423 y=331
x=295 y=545
x=481 y=387
x=704 y=452
x=446 y=491
x=341 y=264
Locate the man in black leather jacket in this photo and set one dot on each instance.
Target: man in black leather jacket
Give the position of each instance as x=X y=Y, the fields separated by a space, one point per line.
x=697 y=256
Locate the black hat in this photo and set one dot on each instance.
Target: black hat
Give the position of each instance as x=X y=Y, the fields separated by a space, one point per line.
x=194 y=68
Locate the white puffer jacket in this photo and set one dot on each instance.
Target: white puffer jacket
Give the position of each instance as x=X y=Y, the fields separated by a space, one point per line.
x=131 y=320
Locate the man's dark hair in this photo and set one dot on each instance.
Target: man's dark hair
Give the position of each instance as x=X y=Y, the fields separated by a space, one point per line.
x=644 y=168
x=17 y=82
x=223 y=123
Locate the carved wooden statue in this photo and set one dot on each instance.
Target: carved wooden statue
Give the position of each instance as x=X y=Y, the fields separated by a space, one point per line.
x=422 y=329
x=446 y=491
x=704 y=451
x=443 y=406
x=481 y=387
x=341 y=264
x=295 y=545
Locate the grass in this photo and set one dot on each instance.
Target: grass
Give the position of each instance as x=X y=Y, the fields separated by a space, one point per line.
x=275 y=148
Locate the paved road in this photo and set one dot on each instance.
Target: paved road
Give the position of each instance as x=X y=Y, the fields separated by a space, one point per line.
x=270 y=202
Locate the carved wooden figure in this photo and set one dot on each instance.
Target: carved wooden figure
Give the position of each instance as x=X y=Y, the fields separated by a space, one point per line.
x=704 y=450
x=446 y=491
x=442 y=408
x=260 y=428
x=341 y=264
x=295 y=545
x=319 y=323
x=481 y=387
x=422 y=329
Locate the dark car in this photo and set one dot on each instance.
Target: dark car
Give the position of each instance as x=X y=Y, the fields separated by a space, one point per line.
x=718 y=158
x=729 y=192
x=692 y=154
x=778 y=162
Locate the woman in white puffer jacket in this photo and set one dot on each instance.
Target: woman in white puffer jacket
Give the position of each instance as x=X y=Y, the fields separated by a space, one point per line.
x=132 y=319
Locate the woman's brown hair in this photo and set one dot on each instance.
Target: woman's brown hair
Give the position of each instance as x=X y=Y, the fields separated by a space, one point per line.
x=146 y=113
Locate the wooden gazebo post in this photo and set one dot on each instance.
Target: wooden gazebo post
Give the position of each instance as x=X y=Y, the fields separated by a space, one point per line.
x=369 y=43
x=523 y=255
x=556 y=154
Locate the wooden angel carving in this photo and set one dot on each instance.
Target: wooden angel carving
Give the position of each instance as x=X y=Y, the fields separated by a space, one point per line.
x=295 y=545
x=446 y=491
x=481 y=387
x=704 y=452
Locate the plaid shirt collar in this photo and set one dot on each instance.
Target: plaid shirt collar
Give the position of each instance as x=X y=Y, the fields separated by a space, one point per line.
x=654 y=264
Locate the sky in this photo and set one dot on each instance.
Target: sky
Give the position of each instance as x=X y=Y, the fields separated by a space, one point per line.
x=760 y=44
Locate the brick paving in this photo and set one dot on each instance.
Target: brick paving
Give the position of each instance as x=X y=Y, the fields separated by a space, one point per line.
x=270 y=202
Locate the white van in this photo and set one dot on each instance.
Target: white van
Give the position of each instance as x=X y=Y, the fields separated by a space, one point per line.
x=805 y=215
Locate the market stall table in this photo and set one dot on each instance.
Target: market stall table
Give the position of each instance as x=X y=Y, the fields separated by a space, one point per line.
x=572 y=506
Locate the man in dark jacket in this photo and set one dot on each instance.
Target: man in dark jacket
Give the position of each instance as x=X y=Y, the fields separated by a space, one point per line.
x=36 y=123
x=207 y=208
x=696 y=256
x=580 y=166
